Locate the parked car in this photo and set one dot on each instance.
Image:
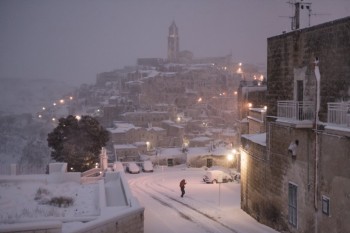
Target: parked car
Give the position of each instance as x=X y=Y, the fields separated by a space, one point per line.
x=118 y=167
x=147 y=166
x=133 y=168
x=217 y=176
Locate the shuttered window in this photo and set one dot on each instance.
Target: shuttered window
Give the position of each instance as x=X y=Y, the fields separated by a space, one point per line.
x=292 y=204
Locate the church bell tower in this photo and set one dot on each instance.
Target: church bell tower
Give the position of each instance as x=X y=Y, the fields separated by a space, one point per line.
x=173 y=43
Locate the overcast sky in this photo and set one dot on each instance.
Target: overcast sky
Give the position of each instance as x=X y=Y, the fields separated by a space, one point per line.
x=76 y=39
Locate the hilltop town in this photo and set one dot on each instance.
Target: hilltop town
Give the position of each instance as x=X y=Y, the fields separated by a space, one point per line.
x=287 y=128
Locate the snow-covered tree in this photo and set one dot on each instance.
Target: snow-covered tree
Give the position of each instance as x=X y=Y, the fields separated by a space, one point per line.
x=77 y=142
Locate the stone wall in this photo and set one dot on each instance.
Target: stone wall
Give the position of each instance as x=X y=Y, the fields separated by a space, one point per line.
x=334 y=182
x=296 y=51
x=259 y=185
x=299 y=171
x=291 y=57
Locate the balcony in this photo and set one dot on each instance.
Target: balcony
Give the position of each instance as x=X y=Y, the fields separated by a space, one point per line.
x=296 y=110
x=339 y=114
x=299 y=113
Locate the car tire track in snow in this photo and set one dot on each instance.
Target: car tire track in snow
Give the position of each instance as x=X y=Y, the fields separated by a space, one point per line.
x=175 y=191
x=181 y=213
x=183 y=209
x=196 y=210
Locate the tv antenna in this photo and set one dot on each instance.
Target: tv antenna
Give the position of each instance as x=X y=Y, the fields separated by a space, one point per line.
x=302 y=14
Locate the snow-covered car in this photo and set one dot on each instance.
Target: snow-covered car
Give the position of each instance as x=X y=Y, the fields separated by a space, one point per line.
x=217 y=176
x=118 y=167
x=133 y=168
x=147 y=166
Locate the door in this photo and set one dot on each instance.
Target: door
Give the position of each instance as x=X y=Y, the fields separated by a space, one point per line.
x=209 y=162
x=170 y=162
x=300 y=98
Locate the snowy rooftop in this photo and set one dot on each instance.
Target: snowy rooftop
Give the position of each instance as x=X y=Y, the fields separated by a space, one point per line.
x=201 y=139
x=124 y=146
x=122 y=127
x=200 y=151
x=155 y=128
x=257 y=138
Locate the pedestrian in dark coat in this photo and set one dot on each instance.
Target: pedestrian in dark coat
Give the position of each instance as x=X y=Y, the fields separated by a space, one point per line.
x=182 y=187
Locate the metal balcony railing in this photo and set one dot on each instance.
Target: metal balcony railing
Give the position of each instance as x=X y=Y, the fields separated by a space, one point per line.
x=339 y=114
x=296 y=110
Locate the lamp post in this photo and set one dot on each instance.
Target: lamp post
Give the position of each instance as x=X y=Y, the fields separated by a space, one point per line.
x=229 y=159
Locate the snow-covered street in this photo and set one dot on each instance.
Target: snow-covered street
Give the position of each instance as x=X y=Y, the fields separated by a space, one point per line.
x=204 y=208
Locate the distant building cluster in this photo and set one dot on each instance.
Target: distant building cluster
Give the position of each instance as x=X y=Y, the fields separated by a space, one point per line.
x=179 y=102
x=288 y=128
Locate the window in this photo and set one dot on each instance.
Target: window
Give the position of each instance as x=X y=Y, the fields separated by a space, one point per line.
x=325 y=205
x=292 y=204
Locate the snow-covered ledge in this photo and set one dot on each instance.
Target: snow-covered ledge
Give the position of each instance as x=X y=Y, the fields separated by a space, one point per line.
x=119 y=209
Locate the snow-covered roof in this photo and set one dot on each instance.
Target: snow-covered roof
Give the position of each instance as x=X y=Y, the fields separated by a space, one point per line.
x=122 y=127
x=246 y=90
x=201 y=151
x=156 y=129
x=257 y=138
x=166 y=152
x=201 y=139
x=168 y=121
x=124 y=146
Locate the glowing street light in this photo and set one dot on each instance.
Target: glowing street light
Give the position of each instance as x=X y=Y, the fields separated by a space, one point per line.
x=78 y=117
x=61 y=101
x=178 y=119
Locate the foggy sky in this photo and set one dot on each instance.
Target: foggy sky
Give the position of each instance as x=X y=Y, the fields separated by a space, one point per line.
x=73 y=40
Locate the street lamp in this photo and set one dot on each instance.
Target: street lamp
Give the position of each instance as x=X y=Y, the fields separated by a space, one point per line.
x=229 y=159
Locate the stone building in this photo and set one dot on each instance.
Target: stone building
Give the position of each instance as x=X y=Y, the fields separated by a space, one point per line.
x=297 y=179
x=257 y=120
x=146 y=118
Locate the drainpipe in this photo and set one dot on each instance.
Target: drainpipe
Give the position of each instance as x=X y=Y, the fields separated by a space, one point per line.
x=318 y=80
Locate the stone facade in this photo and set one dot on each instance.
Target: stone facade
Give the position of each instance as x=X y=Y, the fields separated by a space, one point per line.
x=308 y=192
x=291 y=59
x=257 y=120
